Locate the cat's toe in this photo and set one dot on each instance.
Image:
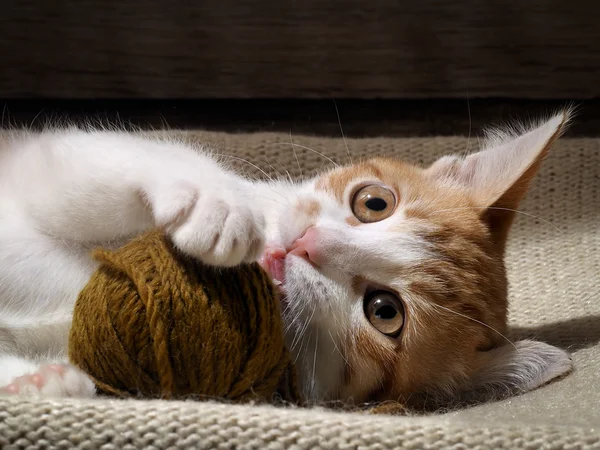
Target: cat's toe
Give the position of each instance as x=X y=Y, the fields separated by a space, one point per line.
x=10 y=389
x=29 y=384
x=172 y=203
x=65 y=380
x=221 y=232
x=52 y=380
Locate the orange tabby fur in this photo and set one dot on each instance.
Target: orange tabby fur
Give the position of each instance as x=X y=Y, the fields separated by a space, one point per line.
x=455 y=302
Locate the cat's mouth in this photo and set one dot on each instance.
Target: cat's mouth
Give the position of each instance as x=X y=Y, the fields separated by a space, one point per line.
x=273 y=261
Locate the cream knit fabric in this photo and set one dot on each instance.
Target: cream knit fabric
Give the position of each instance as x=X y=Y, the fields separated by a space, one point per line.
x=554 y=269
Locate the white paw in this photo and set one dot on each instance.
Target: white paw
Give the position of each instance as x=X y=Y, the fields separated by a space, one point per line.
x=215 y=224
x=52 y=380
x=172 y=202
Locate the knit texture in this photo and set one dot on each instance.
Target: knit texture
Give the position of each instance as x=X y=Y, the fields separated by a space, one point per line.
x=155 y=323
x=553 y=261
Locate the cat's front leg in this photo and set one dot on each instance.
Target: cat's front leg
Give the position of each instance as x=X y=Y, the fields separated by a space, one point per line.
x=102 y=187
x=218 y=221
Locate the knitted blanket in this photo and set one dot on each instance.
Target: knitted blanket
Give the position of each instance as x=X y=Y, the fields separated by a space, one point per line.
x=554 y=266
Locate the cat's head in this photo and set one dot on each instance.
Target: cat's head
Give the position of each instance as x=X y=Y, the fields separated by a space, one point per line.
x=394 y=277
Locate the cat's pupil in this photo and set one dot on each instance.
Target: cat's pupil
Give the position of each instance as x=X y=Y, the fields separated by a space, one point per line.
x=386 y=312
x=376 y=204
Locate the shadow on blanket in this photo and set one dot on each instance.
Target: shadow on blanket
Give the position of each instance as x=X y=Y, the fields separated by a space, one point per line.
x=571 y=335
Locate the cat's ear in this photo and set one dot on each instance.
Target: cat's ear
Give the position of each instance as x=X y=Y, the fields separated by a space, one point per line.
x=498 y=177
x=509 y=369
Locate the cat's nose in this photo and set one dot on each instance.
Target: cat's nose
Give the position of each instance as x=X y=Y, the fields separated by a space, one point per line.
x=306 y=246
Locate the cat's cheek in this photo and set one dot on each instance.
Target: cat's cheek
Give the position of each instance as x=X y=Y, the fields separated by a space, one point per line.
x=363 y=376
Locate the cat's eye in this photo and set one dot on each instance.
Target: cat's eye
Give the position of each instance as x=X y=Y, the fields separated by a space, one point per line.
x=373 y=203
x=385 y=312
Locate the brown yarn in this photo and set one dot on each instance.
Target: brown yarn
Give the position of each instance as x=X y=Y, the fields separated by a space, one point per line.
x=155 y=323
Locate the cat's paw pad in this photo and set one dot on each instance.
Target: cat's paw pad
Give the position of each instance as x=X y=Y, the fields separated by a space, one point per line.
x=52 y=380
x=222 y=229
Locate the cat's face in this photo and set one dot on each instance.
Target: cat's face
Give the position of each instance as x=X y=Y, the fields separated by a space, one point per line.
x=393 y=277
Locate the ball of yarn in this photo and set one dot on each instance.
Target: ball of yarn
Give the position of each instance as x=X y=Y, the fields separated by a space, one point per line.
x=152 y=322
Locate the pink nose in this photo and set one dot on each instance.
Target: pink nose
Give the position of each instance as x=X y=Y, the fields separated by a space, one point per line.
x=306 y=246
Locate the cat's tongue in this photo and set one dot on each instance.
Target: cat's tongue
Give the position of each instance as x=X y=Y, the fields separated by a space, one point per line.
x=273 y=262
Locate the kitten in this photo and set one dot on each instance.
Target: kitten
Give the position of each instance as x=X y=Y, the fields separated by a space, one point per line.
x=392 y=276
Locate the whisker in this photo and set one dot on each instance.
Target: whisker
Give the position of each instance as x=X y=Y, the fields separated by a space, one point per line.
x=501 y=209
x=337 y=112
x=295 y=154
x=289 y=175
x=303 y=348
x=289 y=320
x=272 y=200
x=310 y=318
x=297 y=356
x=299 y=333
x=476 y=321
x=295 y=314
x=280 y=176
x=338 y=349
x=307 y=148
x=470 y=122
x=273 y=169
x=294 y=318
x=315 y=359
x=265 y=173
x=297 y=339
x=247 y=162
x=306 y=324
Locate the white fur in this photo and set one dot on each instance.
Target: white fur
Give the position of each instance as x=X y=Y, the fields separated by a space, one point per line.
x=45 y=379
x=64 y=192
x=527 y=365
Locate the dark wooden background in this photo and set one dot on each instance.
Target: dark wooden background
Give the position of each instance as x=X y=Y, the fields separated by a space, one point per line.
x=299 y=49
